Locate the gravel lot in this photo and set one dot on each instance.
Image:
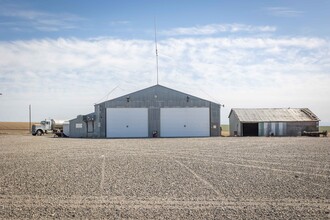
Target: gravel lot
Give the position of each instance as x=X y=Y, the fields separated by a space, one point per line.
x=218 y=178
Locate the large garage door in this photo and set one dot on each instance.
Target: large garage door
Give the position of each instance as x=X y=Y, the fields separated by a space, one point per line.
x=184 y=122
x=127 y=122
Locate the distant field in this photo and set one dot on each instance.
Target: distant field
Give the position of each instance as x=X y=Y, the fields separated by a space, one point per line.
x=325 y=128
x=15 y=127
x=225 y=130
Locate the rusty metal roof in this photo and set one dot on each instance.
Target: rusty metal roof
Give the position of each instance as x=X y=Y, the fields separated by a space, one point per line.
x=274 y=114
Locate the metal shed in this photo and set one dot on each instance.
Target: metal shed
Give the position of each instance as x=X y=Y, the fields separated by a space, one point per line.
x=272 y=121
x=156 y=111
x=82 y=126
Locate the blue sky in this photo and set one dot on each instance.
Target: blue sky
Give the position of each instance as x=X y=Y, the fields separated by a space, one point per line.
x=134 y=19
x=239 y=53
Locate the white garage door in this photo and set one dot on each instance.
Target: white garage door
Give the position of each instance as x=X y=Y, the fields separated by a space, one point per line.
x=127 y=122
x=184 y=122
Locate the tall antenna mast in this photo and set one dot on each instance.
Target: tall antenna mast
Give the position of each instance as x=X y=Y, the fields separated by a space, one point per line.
x=156 y=49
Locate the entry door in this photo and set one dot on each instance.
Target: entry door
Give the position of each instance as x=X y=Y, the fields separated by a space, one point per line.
x=127 y=122
x=184 y=122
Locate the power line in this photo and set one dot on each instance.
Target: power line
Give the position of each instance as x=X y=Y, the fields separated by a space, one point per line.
x=107 y=95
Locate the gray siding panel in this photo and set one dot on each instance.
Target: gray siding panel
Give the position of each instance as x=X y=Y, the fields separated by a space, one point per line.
x=234 y=125
x=77 y=131
x=261 y=129
x=215 y=119
x=154 y=122
x=296 y=128
x=80 y=128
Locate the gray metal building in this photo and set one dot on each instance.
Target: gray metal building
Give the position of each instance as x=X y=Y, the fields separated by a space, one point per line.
x=272 y=121
x=83 y=126
x=156 y=111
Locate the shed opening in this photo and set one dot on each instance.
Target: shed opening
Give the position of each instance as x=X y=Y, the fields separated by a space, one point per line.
x=250 y=129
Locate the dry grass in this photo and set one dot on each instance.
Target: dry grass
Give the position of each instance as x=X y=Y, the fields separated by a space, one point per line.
x=225 y=130
x=15 y=127
x=325 y=128
x=192 y=178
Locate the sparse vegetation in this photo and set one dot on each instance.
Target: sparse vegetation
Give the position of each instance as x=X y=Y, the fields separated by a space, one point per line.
x=325 y=128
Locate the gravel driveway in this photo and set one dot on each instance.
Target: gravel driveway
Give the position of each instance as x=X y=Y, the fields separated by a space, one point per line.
x=191 y=178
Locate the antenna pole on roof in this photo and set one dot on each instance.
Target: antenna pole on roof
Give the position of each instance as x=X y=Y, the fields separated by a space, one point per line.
x=156 y=49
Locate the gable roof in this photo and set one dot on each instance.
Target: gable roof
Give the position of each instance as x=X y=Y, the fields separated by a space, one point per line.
x=274 y=114
x=157 y=89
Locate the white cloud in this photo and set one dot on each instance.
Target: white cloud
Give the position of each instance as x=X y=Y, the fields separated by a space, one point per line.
x=23 y=19
x=64 y=77
x=119 y=22
x=217 y=28
x=283 y=12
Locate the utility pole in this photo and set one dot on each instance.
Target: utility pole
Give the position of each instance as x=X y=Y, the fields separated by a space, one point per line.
x=156 y=49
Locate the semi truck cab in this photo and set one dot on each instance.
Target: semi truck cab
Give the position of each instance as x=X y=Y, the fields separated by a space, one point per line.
x=43 y=127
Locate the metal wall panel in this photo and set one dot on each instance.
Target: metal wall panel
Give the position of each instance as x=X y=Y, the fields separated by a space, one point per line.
x=272 y=129
x=215 y=119
x=234 y=125
x=80 y=128
x=66 y=128
x=261 y=129
x=154 y=122
x=77 y=128
x=296 y=128
x=281 y=129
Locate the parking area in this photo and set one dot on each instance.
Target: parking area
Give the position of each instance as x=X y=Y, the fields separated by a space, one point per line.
x=234 y=178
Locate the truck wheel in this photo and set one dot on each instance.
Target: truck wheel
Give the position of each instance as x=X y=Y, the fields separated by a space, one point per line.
x=39 y=132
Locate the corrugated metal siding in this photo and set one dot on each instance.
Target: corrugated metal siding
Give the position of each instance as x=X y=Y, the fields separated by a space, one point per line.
x=154 y=123
x=79 y=128
x=296 y=128
x=274 y=114
x=234 y=125
x=272 y=128
x=77 y=131
x=215 y=119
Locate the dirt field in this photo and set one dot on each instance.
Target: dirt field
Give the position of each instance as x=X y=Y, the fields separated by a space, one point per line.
x=22 y=128
x=221 y=178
